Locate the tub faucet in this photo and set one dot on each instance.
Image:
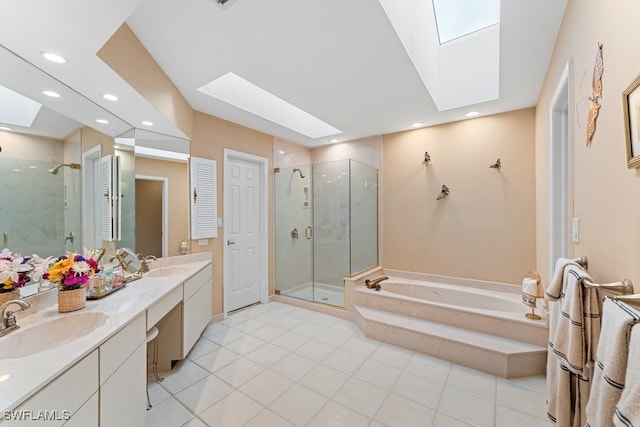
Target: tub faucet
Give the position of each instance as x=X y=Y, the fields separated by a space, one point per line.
x=375 y=283
x=8 y=319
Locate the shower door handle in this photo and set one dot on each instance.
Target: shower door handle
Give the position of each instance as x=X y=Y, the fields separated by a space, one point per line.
x=308 y=233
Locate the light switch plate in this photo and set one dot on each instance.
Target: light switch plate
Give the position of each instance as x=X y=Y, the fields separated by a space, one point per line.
x=219 y=222
x=575 y=230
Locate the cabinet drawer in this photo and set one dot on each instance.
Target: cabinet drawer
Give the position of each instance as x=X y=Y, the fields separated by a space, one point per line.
x=81 y=378
x=119 y=347
x=196 y=317
x=196 y=281
x=162 y=307
x=87 y=415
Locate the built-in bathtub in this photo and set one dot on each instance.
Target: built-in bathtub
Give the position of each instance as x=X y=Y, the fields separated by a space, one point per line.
x=454 y=306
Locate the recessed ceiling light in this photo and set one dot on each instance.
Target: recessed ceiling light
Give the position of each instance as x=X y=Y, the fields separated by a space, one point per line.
x=281 y=152
x=51 y=93
x=472 y=114
x=33 y=167
x=5 y=128
x=17 y=170
x=334 y=140
x=54 y=57
x=147 y=123
x=102 y=121
x=417 y=124
x=110 y=97
x=240 y=93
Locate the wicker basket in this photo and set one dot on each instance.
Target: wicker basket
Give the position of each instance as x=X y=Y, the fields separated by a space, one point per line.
x=8 y=296
x=72 y=300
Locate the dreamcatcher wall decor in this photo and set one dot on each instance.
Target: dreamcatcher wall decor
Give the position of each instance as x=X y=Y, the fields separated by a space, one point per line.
x=596 y=92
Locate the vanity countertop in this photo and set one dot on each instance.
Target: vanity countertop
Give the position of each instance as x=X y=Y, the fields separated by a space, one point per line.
x=23 y=376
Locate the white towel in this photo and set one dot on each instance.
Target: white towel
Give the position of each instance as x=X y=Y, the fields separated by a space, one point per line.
x=628 y=408
x=611 y=364
x=529 y=291
x=555 y=285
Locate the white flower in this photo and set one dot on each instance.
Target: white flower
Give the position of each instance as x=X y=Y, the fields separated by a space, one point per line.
x=40 y=266
x=12 y=269
x=81 y=267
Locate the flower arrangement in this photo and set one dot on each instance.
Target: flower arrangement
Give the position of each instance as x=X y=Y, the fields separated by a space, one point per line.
x=14 y=270
x=71 y=271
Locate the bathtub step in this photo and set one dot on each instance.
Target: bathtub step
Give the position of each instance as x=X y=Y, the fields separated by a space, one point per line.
x=499 y=356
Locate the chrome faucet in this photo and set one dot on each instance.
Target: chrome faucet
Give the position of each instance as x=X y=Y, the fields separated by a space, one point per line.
x=8 y=319
x=144 y=262
x=375 y=283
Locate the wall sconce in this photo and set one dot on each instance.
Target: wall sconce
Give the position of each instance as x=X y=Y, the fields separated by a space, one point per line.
x=443 y=193
x=496 y=165
x=427 y=157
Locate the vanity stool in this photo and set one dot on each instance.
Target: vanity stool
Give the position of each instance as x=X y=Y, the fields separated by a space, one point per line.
x=152 y=336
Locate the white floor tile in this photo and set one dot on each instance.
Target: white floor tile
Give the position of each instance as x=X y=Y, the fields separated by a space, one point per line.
x=239 y=372
x=315 y=350
x=333 y=337
x=267 y=418
x=288 y=322
x=324 y=380
x=224 y=337
x=266 y=387
x=194 y=422
x=157 y=393
x=268 y=332
x=245 y=345
x=234 y=319
x=234 y=410
x=419 y=390
x=267 y=355
x=204 y=393
x=290 y=341
x=429 y=368
x=183 y=375
x=344 y=361
x=507 y=417
x=361 y=346
x=378 y=374
x=468 y=407
x=472 y=381
x=536 y=383
x=444 y=420
x=293 y=366
x=361 y=396
x=298 y=404
x=168 y=413
x=396 y=411
x=308 y=329
x=249 y=326
x=522 y=399
x=334 y=414
x=217 y=359
x=202 y=347
x=392 y=356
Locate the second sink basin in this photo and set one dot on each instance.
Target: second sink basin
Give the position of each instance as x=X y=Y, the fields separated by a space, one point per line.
x=45 y=336
x=171 y=270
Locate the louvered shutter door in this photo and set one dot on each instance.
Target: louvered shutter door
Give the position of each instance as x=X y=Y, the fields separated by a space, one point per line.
x=204 y=198
x=109 y=198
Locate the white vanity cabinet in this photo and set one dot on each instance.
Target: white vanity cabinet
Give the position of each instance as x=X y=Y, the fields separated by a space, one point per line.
x=197 y=308
x=123 y=376
x=67 y=399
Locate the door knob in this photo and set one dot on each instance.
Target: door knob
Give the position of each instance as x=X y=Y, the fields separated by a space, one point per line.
x=229 y=243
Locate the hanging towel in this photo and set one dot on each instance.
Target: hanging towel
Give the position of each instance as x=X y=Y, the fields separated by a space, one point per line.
x=611 y=363
x=529 y=291
x=574 y=329
x=628 y=409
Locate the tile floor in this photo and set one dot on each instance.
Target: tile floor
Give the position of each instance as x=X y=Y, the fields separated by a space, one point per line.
x=280 y=365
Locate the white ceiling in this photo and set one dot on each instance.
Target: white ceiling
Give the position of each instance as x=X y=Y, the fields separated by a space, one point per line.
x=341 y=61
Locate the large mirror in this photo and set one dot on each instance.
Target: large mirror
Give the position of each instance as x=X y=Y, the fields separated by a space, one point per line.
x=49 y=164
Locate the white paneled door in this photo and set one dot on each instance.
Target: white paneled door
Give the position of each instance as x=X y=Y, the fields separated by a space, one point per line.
x=243 y=221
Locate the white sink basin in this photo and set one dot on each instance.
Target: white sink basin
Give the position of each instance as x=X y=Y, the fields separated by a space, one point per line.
x=45 y=336
x=171 y=270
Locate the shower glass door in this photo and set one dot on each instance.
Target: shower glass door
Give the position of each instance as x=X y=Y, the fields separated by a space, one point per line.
x=294 y=233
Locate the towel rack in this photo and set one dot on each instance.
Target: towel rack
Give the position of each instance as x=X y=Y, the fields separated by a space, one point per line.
x=625 y=285
x=632 y=299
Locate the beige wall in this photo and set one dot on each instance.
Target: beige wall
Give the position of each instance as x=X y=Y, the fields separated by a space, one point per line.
x=124 y=53
x=211 y=136
x=178 y=177
x=31 y=147
x=486 y=228
x=91 y=138
x=604 y=190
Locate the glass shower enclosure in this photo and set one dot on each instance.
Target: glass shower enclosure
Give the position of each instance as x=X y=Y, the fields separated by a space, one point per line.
x=326 y=228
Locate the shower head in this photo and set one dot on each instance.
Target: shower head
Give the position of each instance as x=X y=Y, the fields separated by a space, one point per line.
x=298 y=170
x=70 y=165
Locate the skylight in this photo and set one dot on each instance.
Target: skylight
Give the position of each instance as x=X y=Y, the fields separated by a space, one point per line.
x=457 y=18
x=16 y=109
x=243 y=94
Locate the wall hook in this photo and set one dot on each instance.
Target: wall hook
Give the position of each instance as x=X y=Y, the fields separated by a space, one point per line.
x=427 y=157
x=496 y=165
x=443 y=193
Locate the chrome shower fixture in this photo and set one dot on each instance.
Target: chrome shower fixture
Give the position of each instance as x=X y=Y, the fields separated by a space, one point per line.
x=298 y=170
x=427 y=157
x=496 y=165
x=70 y=165
x=444 y=192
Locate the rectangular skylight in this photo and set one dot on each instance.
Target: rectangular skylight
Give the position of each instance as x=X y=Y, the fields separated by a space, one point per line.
x=16 y=109
x=243 y=94
x=457 y=18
